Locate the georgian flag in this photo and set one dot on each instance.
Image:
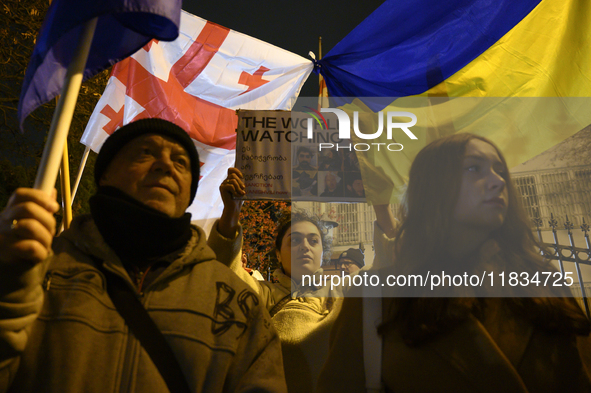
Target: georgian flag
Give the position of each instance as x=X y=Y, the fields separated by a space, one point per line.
x=197 y=82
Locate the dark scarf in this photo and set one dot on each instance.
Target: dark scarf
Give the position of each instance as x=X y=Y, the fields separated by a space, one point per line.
x=136 y=232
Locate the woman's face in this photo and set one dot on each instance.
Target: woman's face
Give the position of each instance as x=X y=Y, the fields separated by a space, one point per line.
x=483 y=199
x=301 y=250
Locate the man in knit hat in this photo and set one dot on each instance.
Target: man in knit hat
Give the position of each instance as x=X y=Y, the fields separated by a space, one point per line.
x=59 y=318
x=351 y=261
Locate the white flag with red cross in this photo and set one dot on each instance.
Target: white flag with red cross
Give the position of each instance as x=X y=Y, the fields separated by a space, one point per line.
x=197 y=82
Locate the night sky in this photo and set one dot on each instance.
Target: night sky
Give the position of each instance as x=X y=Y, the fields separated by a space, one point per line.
x=291 y=25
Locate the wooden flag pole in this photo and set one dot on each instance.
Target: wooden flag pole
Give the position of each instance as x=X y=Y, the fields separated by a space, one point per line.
x=319 y=58
x=62 y=117
x=322 y=95
x=76 y=182
x=65 y=187
x=319 y=74
x=80 y=172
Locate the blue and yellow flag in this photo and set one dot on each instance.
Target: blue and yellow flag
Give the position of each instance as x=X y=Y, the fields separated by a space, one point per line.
x=525 y=66
x=122 y=28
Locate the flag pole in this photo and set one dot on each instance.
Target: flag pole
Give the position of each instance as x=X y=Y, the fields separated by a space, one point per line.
x=319 y=74
x=322 y=91
x=77 y=181
x=80 y=172
x=62 y=117
x=65 y=187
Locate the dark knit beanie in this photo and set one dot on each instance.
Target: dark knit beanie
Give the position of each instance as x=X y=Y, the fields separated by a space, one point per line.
x=130 y=131
x=355 y=255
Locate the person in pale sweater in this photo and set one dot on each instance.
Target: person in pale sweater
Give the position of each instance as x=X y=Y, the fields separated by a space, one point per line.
x=302 y=314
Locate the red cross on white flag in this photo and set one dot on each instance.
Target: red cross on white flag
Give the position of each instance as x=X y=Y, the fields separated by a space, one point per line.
x=197 y=82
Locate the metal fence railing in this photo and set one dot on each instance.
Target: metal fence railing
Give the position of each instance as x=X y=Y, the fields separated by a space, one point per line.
x=577 y=254
x=564 y=192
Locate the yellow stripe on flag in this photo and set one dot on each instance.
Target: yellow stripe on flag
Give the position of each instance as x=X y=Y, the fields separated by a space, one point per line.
x=547 y=54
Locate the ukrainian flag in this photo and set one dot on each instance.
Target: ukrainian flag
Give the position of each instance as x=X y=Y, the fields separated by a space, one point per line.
x=525 y=66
